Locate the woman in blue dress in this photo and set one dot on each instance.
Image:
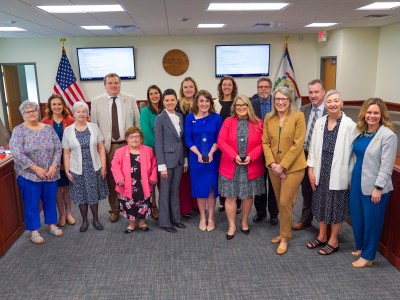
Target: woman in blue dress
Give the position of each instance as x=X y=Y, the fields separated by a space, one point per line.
x=201 y=134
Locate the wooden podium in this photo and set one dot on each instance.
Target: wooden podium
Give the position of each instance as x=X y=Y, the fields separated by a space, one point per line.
x=11 y=213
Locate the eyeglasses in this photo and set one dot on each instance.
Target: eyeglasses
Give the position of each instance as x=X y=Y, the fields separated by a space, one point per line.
x=283 y=100
x=264 y=87
x=29 y=112
x=134 y=136
x=241 y=105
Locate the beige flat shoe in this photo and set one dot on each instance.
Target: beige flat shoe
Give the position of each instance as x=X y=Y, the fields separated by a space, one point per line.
x=210 y=226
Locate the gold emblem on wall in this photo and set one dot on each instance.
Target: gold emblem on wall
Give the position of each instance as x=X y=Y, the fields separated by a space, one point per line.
x=175 y=62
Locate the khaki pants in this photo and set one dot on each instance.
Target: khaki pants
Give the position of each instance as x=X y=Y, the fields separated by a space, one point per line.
x=286 y=192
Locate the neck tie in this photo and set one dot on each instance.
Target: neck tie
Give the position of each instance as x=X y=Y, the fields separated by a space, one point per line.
x=114 y=120
x=264 y=110
x=307 y=143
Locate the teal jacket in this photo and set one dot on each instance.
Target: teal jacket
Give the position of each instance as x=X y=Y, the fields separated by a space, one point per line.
x=147 y=120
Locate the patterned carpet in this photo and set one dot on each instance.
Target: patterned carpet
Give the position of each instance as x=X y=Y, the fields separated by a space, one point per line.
x=188 y=265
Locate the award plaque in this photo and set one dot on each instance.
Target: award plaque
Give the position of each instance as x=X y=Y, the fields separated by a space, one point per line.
x=204 y=148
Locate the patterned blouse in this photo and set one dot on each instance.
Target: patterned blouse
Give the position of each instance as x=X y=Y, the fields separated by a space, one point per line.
x=35 y=147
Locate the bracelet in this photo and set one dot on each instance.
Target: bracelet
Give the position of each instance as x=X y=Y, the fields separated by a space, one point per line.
x=378 y=188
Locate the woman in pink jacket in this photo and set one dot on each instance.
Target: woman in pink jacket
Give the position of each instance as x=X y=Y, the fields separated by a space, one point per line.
x=241 y=171
x=135 y=172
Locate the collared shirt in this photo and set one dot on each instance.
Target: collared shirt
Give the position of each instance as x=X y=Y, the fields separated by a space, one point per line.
x=119 y=111
x=175 y=121
x=320 y=114
x=265 y=107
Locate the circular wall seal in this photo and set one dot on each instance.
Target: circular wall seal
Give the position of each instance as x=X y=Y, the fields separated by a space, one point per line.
x=175 y=62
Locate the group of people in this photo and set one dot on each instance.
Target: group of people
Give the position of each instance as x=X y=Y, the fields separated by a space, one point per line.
x=194 y=149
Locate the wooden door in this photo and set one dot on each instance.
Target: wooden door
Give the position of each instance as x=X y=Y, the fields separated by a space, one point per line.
x=13 y=95
x=328 y=72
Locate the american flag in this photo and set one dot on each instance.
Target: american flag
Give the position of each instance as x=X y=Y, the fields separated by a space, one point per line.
x=66 y=84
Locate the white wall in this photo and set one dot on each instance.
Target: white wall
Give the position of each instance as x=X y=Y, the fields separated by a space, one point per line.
x=387 y=78
x=357 y=58
x=46 y=53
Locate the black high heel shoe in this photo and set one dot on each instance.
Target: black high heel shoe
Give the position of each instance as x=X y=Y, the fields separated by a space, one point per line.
x=229 y=237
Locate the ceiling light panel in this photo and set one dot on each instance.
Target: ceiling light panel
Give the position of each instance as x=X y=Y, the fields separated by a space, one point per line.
x=75 y=9
x=380 y=6
x=246 y=6
x=211 y=25
x=101 y=27
x=320 y=24
x=11 y=29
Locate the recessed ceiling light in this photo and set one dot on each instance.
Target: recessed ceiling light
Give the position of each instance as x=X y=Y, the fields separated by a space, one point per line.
x=71 y=9
x=246 y=6
x=380 y=5
x=210 y=25
x=100 y=27
x=11 y=29
x=320 y=24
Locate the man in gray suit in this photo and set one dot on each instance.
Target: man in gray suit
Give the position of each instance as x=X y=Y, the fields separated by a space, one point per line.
x=312 y=111
x=114 y=112
x=262 y=102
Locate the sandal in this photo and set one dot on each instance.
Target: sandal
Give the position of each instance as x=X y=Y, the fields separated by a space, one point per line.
x=154 y=212
x=144 y=228
x=37 y=239
x=129 y=230
x=55 y=231
x=328 y=250
x=315 y=243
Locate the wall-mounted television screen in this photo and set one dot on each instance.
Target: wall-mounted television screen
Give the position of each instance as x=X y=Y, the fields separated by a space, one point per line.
x=95 y=63
x=250 y=60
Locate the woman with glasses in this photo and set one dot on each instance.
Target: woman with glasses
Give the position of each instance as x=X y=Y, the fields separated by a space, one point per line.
x=134 y=169
x=283 y=138
x=36 y=149
x=241 y=171
x=85 y=164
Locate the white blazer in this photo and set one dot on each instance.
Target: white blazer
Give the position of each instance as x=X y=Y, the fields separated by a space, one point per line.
x=341 y=166
x=70 y=142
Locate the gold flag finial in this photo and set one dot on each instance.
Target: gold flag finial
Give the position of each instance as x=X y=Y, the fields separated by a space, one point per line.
x=62 y=41
x=287 y=37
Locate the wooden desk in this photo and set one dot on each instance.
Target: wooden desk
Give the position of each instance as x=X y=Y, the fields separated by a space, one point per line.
x=11 y=213
x=389 y=245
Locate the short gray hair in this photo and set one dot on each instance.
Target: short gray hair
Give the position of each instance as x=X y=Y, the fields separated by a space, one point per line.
x=28 y=104
x=332 y=92
x=263 y=78
x=78 y=105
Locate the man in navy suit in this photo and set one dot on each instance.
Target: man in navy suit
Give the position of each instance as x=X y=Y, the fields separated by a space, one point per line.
x=262 y=102
x=312 y=111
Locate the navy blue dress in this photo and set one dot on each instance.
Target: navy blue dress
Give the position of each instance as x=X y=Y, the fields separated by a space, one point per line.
x=203 y=133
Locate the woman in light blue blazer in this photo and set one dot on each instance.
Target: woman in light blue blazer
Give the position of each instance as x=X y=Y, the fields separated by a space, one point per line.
x=171 y=160
x=375 y=151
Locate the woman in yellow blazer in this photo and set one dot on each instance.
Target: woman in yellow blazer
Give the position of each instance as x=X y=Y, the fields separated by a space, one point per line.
x=283 y=139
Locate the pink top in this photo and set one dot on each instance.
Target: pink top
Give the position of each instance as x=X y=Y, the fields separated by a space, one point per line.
x=121 y=170
x=227 y=142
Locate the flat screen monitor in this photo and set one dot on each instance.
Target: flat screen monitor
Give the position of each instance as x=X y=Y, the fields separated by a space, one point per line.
x=250 y=60
x=95 y=63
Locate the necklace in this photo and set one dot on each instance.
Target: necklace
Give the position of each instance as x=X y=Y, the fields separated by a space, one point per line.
x=369 y=134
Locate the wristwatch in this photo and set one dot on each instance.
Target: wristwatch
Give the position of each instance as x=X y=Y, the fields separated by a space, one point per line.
x=379 y=188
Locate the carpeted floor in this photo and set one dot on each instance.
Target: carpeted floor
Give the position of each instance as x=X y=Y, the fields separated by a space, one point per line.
x=188 y=265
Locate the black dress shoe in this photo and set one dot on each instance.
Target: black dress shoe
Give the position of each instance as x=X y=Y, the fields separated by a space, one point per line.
x=84 y=227
x=170 y=229
x=258 y=218
x=273 y=221
x=187 y=216
x=246 y=231
x=179 y=225
x=98 y=226
x=229 y=237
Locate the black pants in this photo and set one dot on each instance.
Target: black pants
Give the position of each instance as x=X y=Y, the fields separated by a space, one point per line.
x=261 y=202
x=307 y=192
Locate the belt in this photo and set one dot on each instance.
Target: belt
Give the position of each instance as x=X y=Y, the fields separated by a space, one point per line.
x=118 y=143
